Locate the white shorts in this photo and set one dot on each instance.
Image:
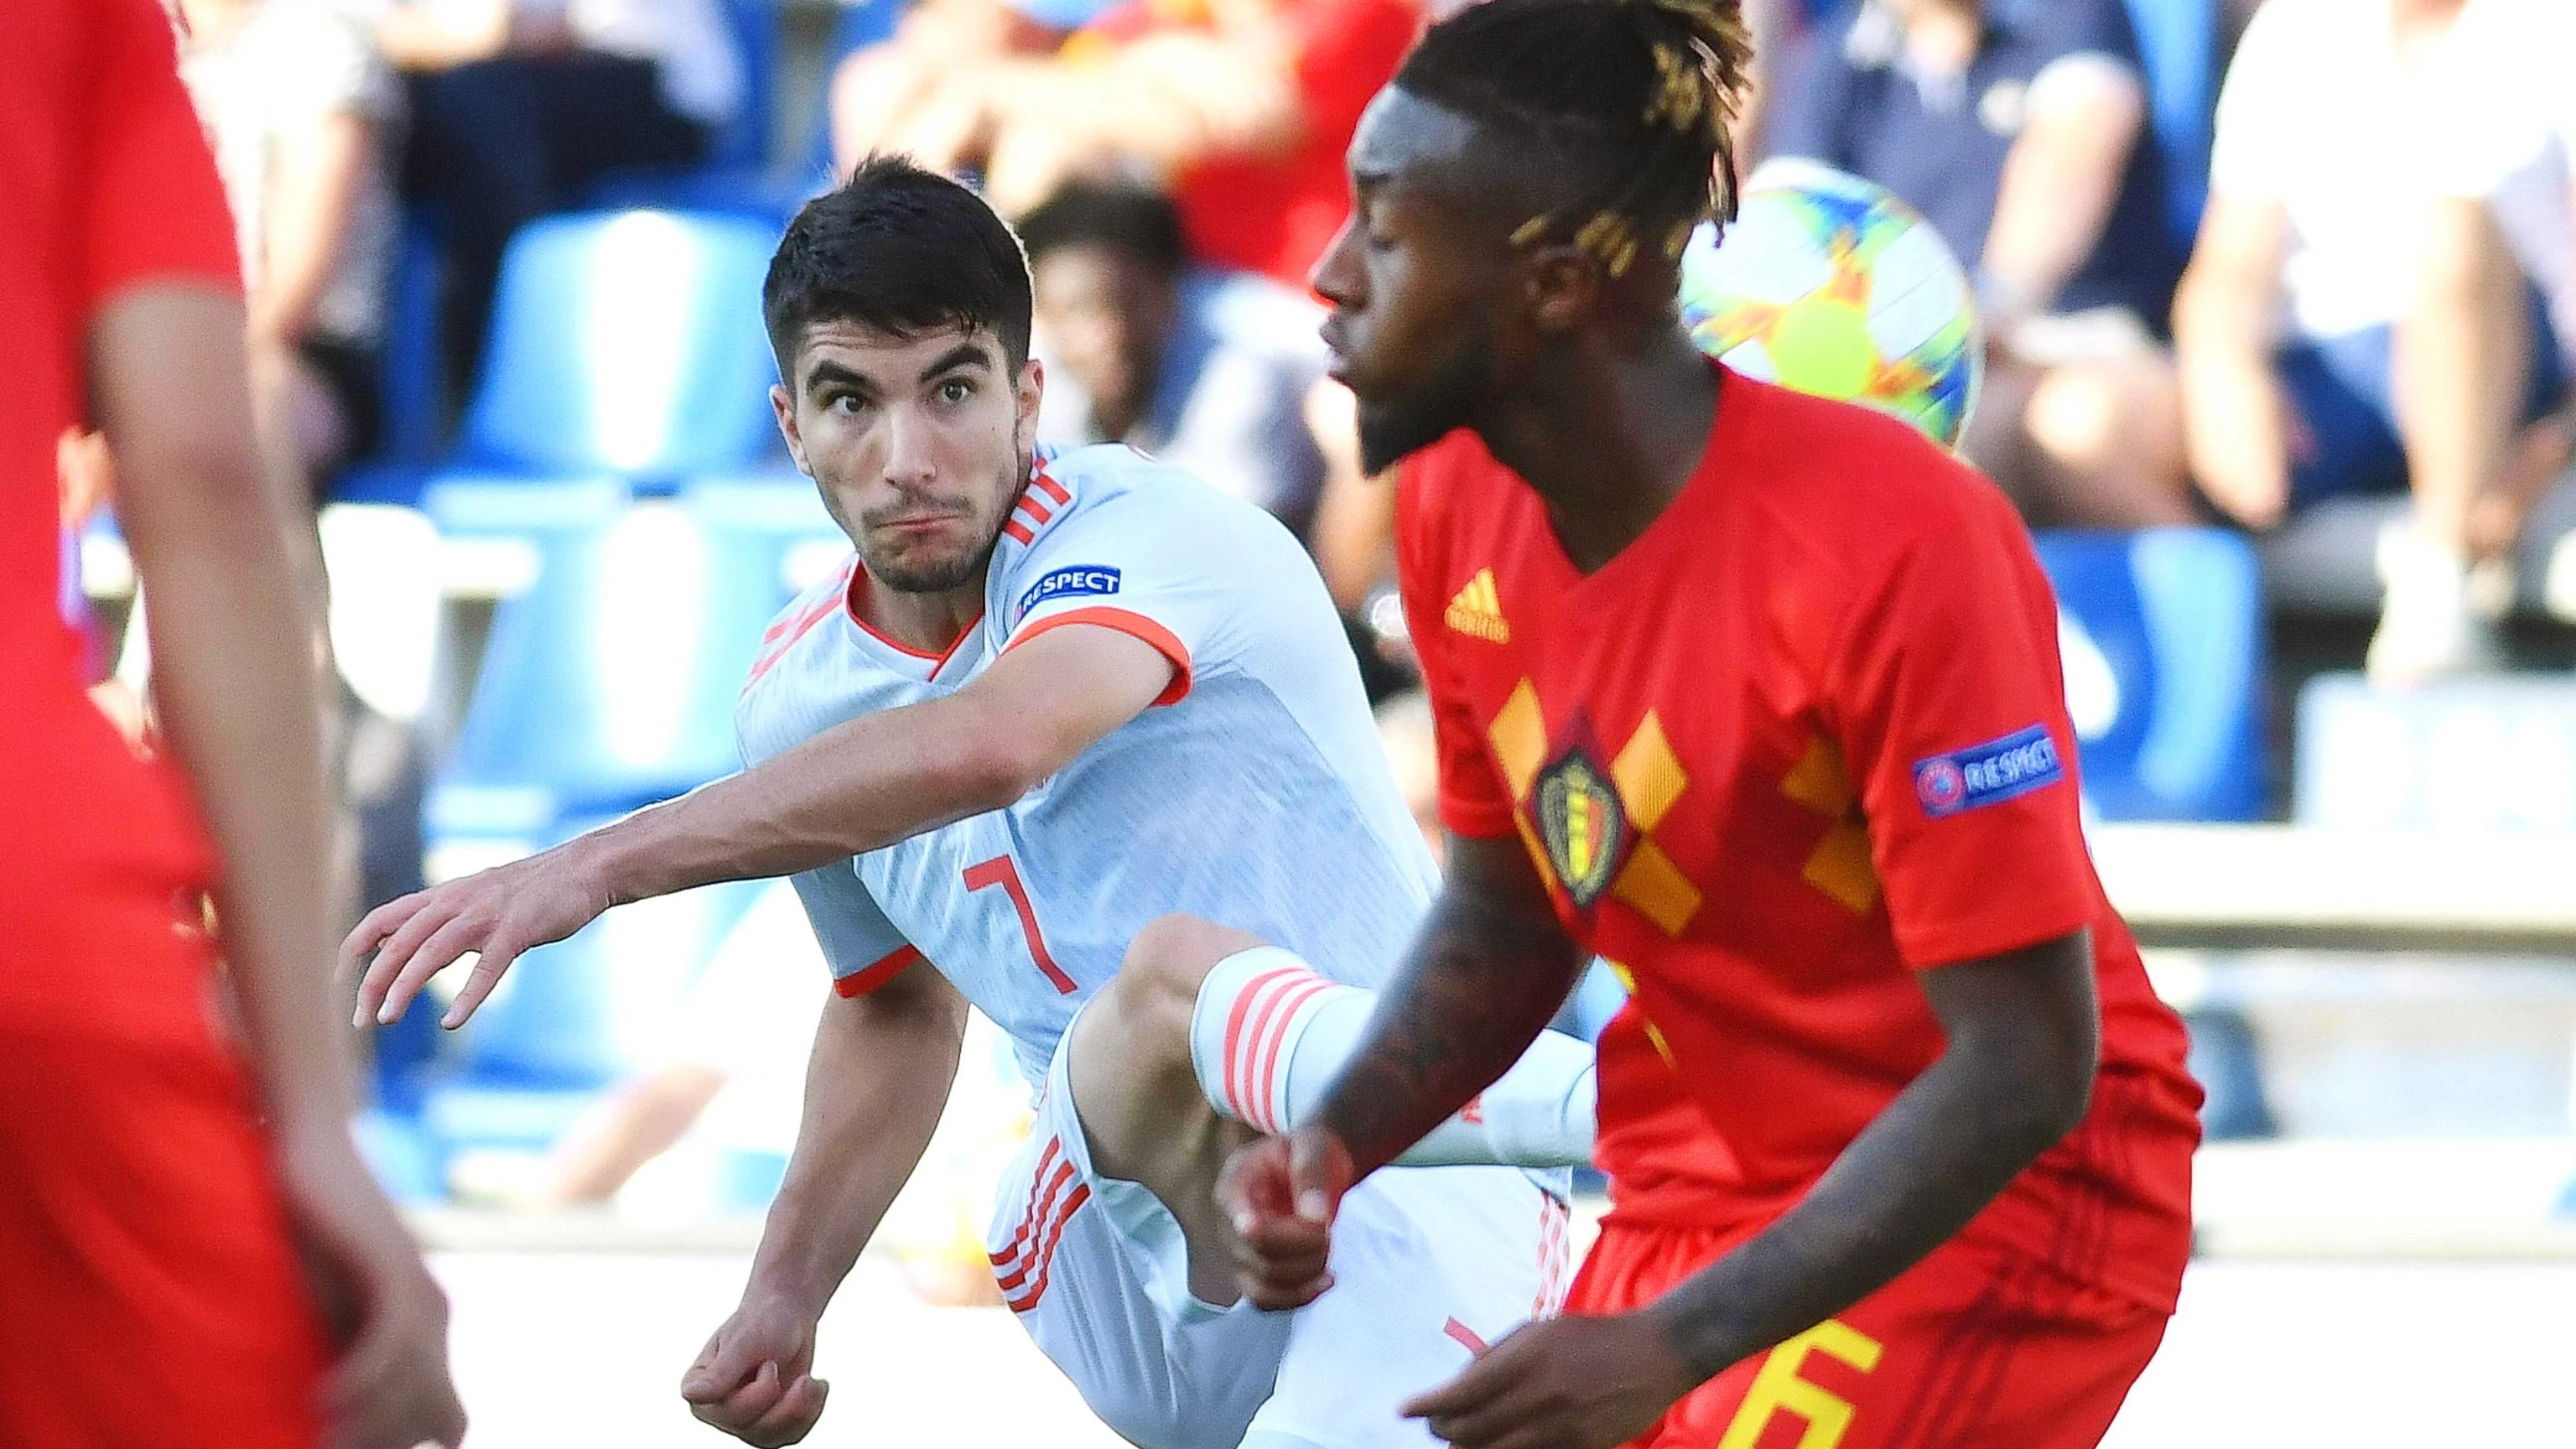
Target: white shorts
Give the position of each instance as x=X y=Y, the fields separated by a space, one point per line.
x=1428 y=1263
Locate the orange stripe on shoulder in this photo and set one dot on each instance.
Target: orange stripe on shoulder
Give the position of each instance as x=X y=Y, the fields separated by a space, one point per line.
x=1133 y=624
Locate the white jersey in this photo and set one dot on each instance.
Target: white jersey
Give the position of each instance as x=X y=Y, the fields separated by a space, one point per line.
x=1254 y=793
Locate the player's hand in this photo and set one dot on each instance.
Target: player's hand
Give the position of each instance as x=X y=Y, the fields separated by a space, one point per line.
x=1563 y=1383
x=755 y=1379
x=1280 y=1193
x=390 y=1388
x=498 y=913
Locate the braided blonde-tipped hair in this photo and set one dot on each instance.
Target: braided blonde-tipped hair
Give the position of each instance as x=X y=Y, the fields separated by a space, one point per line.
x=1645 y=89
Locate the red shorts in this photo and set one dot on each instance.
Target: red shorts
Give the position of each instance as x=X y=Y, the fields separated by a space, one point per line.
x=149 y=1294
x=1970 y=1347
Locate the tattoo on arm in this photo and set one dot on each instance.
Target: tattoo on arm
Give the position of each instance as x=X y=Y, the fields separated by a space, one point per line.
x=1489 y=969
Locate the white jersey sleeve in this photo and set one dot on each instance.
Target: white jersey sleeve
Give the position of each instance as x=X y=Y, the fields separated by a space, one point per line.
x=862 y=948
x=1139 y=555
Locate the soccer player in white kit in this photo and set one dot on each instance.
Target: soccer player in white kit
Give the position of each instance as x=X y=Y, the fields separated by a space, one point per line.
x=1058 y=717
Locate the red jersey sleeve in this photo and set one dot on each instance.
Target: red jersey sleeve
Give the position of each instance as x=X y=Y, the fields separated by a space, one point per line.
x=1474 y=802
x=152 y=206
x=1952 y=720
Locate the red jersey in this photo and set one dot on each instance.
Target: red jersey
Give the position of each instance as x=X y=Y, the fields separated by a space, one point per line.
x=1803 y=736
x=108 y=184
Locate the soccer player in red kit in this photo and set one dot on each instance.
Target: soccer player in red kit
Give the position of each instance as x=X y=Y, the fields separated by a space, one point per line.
x=158 y=1248
x=1756 y=696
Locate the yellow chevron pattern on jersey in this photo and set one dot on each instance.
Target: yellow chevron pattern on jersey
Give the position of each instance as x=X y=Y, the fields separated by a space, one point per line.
x=1478 y=610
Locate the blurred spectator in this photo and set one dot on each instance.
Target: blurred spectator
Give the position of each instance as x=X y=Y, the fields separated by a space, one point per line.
x=1776 y=26
x=516 y=104
x=301 y=109
x=890 y=97
x=1206 y=370
x=1243 y=108
x=2018 y=128
x=2308 y=255
x=2481 y=443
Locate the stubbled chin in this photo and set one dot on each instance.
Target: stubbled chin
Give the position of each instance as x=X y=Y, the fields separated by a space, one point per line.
x=930 y=567
x=1388 y=438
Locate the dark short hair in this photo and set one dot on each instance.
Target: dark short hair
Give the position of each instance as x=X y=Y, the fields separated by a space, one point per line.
x=902 y=250
x=1136 y=220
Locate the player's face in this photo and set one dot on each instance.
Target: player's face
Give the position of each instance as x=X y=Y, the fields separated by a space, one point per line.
x=1414 y=283
x=919 y=445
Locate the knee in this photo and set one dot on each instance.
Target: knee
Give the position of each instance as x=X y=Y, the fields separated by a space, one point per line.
x=1170 y=958
x=1143 y=1015
x=2074 y=416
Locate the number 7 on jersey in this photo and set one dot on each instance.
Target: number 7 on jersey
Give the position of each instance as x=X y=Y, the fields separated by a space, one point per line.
x=1000 y=871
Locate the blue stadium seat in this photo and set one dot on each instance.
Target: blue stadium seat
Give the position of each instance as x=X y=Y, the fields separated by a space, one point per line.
x=744 y=141
x=402 y=1156
x=607 y=683
x=573 y=1018
x=772 y=540
x=608 y=680
x=628 y=343
x=581 y=1013
x=2163 y=636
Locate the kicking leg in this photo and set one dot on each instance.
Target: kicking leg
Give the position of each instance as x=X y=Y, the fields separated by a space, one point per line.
x=1268 y=1035
x=1138 y=1097
x=1208 y=1035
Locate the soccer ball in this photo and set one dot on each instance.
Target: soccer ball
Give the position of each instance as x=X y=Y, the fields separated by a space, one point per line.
x=1828 y=284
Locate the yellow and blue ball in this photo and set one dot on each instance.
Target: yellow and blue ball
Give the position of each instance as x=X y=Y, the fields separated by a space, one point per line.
x=1830 y=285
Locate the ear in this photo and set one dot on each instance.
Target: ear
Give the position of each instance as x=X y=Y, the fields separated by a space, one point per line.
x=1560 y=285
x=1030 y=390
x=784 y=407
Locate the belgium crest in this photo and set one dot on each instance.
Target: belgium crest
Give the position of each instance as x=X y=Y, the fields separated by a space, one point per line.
x=1580 y=818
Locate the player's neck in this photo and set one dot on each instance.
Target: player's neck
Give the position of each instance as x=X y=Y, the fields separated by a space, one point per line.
x=1609 y=439
x=923 y=623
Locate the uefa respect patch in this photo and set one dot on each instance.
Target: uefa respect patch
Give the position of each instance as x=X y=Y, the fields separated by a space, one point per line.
x=1067 y=582
x=1988 y=774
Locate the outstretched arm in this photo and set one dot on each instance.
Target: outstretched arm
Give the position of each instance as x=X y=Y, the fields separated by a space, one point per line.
x=1489 y=969
x=857 y=787
x=2023 y=1035
x=880 y=1073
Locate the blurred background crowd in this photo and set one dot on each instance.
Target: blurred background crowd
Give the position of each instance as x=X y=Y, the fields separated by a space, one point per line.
x=2279 y=307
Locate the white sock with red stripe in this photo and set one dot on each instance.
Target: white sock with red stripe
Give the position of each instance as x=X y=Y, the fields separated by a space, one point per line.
x=1269 y=1035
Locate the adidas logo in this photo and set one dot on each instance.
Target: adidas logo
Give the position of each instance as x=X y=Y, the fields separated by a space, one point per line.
x=1478 y=610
